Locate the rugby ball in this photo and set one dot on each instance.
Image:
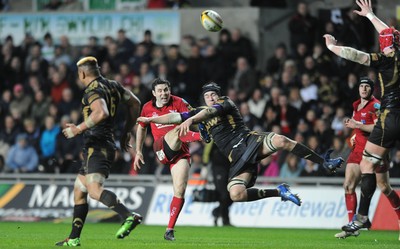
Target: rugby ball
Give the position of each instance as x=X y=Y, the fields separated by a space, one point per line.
x=211 y=20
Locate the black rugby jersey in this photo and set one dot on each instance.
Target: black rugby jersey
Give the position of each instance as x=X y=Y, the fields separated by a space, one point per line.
x=389 y=78
x=227 y=128
x=102 y=134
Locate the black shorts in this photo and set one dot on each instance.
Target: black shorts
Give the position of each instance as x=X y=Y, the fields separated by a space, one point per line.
x=246 y=157
x=386 y=131
x=97 y=160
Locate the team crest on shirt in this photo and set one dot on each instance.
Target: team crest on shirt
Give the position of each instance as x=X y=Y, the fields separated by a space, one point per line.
x=363 y=114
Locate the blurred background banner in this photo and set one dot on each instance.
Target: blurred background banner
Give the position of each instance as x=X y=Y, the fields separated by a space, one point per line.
x=35 y=202
x=165 y=25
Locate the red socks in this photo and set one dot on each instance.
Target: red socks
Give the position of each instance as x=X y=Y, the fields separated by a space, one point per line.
x=394 y=200
x=351 y=204
x=174 y=210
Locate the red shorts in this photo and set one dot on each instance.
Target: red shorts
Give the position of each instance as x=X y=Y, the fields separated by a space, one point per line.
x=355 y=157
x=168 y=156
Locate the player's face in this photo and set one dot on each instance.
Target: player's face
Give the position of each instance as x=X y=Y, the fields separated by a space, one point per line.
x=162 y=93
x=210 y=98
x=365 y=91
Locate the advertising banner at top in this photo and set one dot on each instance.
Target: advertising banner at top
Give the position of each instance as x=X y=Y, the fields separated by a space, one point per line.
x=78 y=27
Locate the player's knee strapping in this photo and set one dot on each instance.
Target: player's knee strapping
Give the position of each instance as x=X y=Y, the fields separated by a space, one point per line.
x=373 y=158
x=78 y=184
x=95 y=177
x=236 y=181
x=268 y=142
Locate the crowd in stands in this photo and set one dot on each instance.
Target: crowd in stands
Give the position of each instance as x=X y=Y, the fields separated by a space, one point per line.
x=304 y=92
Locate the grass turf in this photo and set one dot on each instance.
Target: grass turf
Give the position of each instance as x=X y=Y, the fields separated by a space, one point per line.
x=101 y=235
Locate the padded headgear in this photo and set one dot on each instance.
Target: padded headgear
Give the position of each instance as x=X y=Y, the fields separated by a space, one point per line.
x=366 y=80
x=211 y=87
x=388 y=38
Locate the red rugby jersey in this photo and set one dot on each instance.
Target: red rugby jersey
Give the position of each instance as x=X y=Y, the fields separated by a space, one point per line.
x=149 y=109
x=365 y=115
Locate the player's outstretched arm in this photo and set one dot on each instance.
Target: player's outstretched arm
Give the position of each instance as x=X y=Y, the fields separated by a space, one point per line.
x=170 y=118
x=366 y=10
x=347 y=53
x=201 y=116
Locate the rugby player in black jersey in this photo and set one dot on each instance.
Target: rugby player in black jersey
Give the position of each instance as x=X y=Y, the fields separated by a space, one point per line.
x=386 y=131
x=99 y=105
x=244 y=148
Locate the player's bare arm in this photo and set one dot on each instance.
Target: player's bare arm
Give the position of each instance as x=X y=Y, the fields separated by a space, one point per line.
x=366 y=10
x=140 y=136
x=99 y=113
x=348 y=53
x=133 y=112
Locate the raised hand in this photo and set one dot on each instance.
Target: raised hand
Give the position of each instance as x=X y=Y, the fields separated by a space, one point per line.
x=329 y=40
x=366 y=7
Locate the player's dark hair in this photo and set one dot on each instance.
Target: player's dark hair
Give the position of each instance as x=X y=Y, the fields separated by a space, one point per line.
x=159 y=81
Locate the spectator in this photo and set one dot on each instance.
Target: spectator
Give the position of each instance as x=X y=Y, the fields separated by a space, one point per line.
x=125 y=46
x=311 y=170
x=67 y=150
x=146 y=73
x=173 y=56
x=22 y=157
x=40 y=107
x=98 y=51
x=242 y=47
x=148 y=42
x=61 y=57
x=48 y=48
x=249 y=119
x=244 y=80
x=35 y=63
x=270 y=118
x=195 y=63
x=225 y=50
x=126 y=75
x=309 y=91
x=212 y=69
x=292 y=167
x=32 y=132
x=58 y=84
x=257 y=103
x=157 y=57
x=68 y=102
x=327 y=92
x=140 y=90
x=48 y=143
x=338 y=121
x=186 y=86
x=287 y=116
x=302 y=27
x=21 y=102
x=10 y=130
x=276 y=61
x=140 y=56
